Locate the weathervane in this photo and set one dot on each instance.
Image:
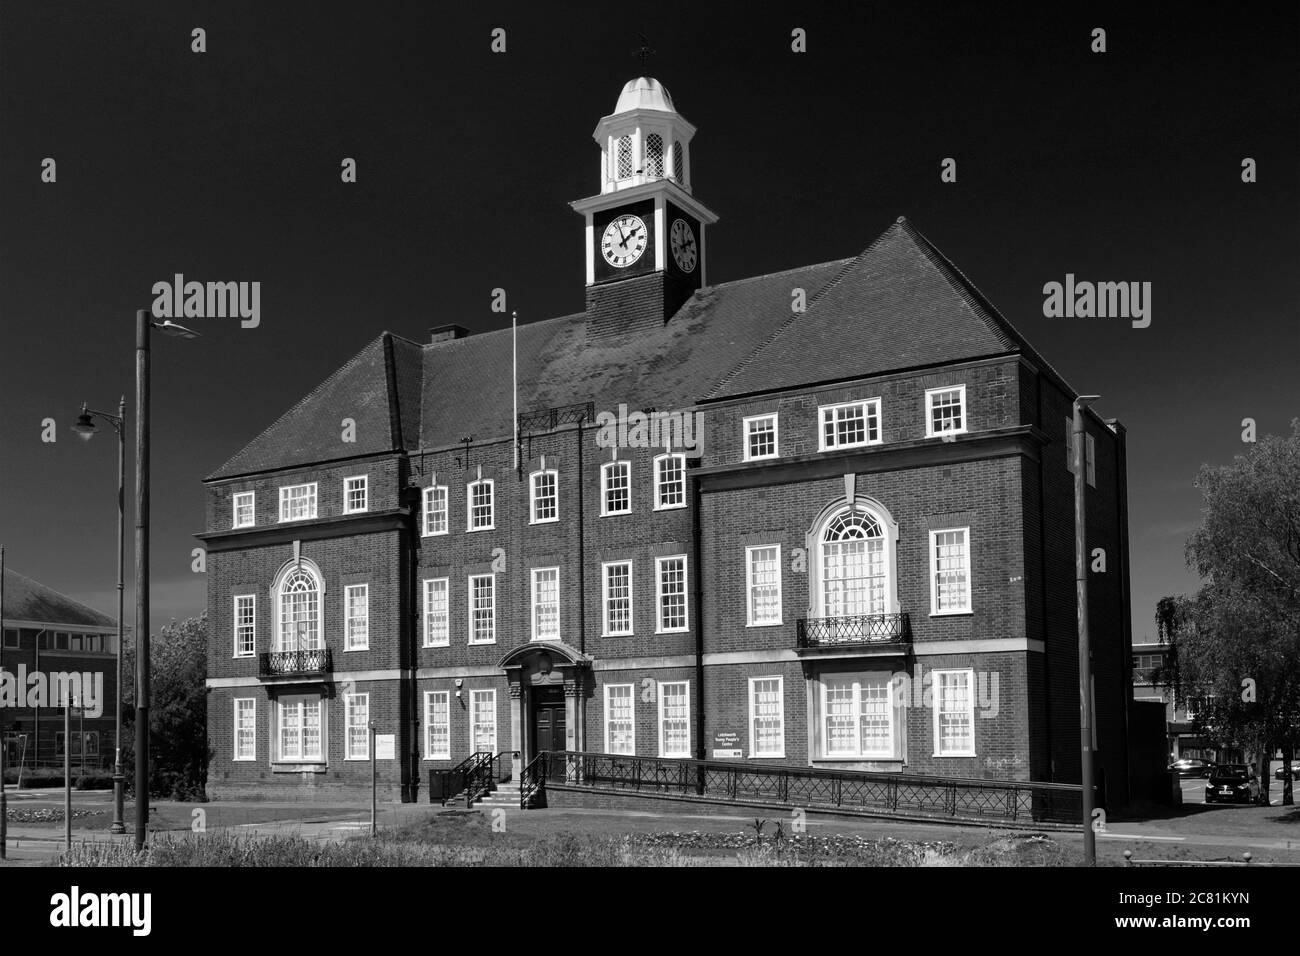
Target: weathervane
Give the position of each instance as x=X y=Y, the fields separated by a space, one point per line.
x=645 y=52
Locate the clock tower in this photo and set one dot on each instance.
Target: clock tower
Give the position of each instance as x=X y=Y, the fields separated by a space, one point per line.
x=645 y=230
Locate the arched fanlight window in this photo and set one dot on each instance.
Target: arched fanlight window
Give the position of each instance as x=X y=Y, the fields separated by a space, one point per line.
x=854 y=566
x=298 y=598
x=624 y=157
x=654 y=155
x=679 y=164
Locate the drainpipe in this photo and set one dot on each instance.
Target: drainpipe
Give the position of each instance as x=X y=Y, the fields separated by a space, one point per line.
x=1042 y=587
x=697 y=559
x=413 y=647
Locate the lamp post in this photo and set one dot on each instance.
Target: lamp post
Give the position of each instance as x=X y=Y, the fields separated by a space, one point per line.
x=143 y=325
x=85 y=429
x=1079 y=457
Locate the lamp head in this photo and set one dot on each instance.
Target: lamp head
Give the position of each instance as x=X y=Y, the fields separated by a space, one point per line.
x=179 y=331
x=85 y=426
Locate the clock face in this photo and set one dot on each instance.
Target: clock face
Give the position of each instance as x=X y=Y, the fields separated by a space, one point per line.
x=623 y=242
x=682 y=239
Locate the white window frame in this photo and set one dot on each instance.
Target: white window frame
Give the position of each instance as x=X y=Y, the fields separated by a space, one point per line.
x=491 y=505
x=750 y=620
x=474 y=710
x=966 y=607
x=347 y=494
x=425 y=591
x=278 y=741
x=747 y=432
x=828 y=412
x=857 y=681
x=937 y=680
x=427 y=511
x=470 y=607
x=930 y=394
x=536 y=633
x=237 y=732
x=533 y=499
x=252 y=651
x=236 y=502
x=348 y=644
x=605 y=471
x=753 y=716
x=430 y=696
x=660 y=718
x=349 y=703
x=659 y=595
x=659 y=485
x=604 y=600
x=286 y=501
x=630 y=750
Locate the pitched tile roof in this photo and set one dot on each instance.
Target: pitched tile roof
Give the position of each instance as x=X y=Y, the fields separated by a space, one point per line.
x=28 y=600
x=899 y=304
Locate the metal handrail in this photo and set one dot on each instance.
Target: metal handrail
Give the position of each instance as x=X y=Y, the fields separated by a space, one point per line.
x=895 y=793
x=457 y=780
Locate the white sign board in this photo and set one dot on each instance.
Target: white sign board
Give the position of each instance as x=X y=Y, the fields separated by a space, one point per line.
x=385 y=746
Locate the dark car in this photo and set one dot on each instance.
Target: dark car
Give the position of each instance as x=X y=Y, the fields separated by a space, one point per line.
x=1192 y=767
x=1280 y=772
x=1232 y=783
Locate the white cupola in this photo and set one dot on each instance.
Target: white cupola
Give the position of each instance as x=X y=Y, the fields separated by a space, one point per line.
x=644 y=140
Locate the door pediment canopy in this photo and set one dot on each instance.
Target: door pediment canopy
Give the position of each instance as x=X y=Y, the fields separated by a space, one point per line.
x=558 y=651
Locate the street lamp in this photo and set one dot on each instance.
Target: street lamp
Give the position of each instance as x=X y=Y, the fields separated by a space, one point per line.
x=85 y=429
x=142 y=328
x=1079 y=457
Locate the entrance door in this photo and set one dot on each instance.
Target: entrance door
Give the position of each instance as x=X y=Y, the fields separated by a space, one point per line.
x=548 y=719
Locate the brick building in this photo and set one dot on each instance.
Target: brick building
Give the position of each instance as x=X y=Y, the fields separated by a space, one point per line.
x=822 y=516
x=53 y=642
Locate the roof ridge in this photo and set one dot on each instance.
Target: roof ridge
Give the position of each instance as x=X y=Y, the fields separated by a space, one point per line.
x=781 y=272
x=301 y=402
x=980 y=304
x=816 y=297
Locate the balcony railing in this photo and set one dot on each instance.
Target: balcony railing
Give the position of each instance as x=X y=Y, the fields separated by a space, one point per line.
x=854 y=630
x=296 y=663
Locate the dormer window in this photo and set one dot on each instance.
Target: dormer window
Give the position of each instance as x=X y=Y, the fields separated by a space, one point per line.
x=654 y=156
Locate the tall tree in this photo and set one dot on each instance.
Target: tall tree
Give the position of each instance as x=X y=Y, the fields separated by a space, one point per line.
x=1239 y=641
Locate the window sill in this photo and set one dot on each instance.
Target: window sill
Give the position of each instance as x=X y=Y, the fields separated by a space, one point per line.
x=443 y=644
x=480 y=643
x=947 y=434
x=303 y=766
x=961 y=754
x=780 y=756
x=968 y=613
x=617 y=634
x=488 y=527
x=242 y=657
x=544 y=521
x=670 y=507
x=615 y=514
x=353 y=650
x=859 y=444
x=365 y=759
x=433 y=534
x=763 y=624
x=243 y=760
x=761 y=458
x=432 y=757
x=355 y=511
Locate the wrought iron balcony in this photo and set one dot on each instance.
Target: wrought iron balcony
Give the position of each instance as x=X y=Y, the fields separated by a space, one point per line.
x=296 y=663
x=847 y=631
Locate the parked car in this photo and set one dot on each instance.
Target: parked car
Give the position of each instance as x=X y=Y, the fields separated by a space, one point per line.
x=1232 y=783
x=1192 y=767
x=1280 y=772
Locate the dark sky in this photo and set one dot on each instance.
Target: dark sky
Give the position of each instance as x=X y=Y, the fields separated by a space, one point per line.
x=225 y=165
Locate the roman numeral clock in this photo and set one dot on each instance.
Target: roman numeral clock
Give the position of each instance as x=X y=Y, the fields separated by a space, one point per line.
x=645 y=224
